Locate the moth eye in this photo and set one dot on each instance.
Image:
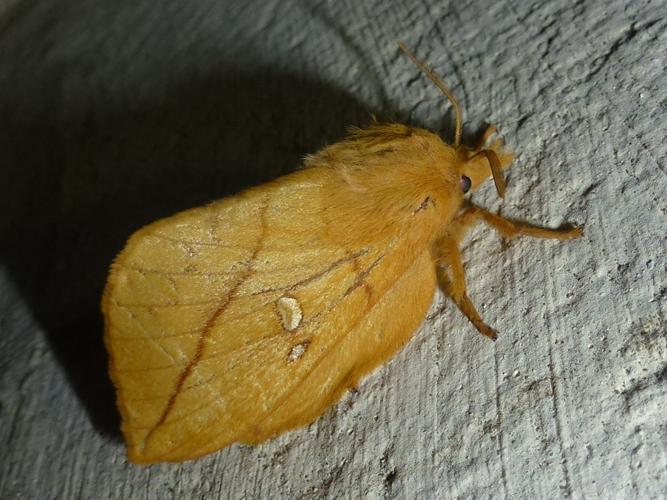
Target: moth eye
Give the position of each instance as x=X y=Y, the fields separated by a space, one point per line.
x=465 y=183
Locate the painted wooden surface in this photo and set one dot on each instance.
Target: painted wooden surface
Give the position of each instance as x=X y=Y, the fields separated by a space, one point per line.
x=116 y=114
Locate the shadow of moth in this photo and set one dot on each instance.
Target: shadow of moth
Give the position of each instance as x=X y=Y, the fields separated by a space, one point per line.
x=250 y=316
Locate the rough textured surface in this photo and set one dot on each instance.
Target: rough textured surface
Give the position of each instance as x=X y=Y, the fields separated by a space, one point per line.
x=114 y=115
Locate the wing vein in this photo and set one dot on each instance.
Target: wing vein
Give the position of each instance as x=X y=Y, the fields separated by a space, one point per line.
x=206 y=331
x=188 y=243
x=292 y=286
x=207 y=274
x=266 y=338
x=282 y=400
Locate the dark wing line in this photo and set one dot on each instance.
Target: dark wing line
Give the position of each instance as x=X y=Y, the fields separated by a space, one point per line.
x=251 y=345
x=211 y=322
x=305 y=281
x=358 y=283
x=279 y=403
x=315 y=276
x=292 y=286
x=151 y=427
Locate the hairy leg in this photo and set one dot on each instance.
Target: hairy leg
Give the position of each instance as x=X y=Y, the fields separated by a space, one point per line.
x=452 y=281
x=452 y=274
x=507 y=228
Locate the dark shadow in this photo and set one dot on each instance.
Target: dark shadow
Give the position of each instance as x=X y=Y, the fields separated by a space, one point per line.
x=81 y=180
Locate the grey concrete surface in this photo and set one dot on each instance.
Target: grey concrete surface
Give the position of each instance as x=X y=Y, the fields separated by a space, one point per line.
x=117 y=113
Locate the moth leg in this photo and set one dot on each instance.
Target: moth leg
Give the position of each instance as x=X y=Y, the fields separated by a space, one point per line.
x=507 y=228
x=452 y=277
x=452 y=281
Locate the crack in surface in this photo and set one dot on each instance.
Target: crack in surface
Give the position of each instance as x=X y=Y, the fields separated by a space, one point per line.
x=499 y=422
x=601 y=61
x=555 y=399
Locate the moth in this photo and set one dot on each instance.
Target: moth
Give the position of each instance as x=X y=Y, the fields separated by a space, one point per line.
x=250 y=316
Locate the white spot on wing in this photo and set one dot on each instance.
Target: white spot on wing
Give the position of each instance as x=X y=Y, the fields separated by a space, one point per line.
x=297 y=351
x=290 y=312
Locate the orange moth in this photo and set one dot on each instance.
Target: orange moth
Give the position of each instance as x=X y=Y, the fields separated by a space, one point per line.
x=250 y=316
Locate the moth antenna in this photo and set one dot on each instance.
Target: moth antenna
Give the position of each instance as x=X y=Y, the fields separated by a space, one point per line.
x=443 y=88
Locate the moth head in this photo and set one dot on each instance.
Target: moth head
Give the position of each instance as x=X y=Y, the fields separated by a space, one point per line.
x=476 y=165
